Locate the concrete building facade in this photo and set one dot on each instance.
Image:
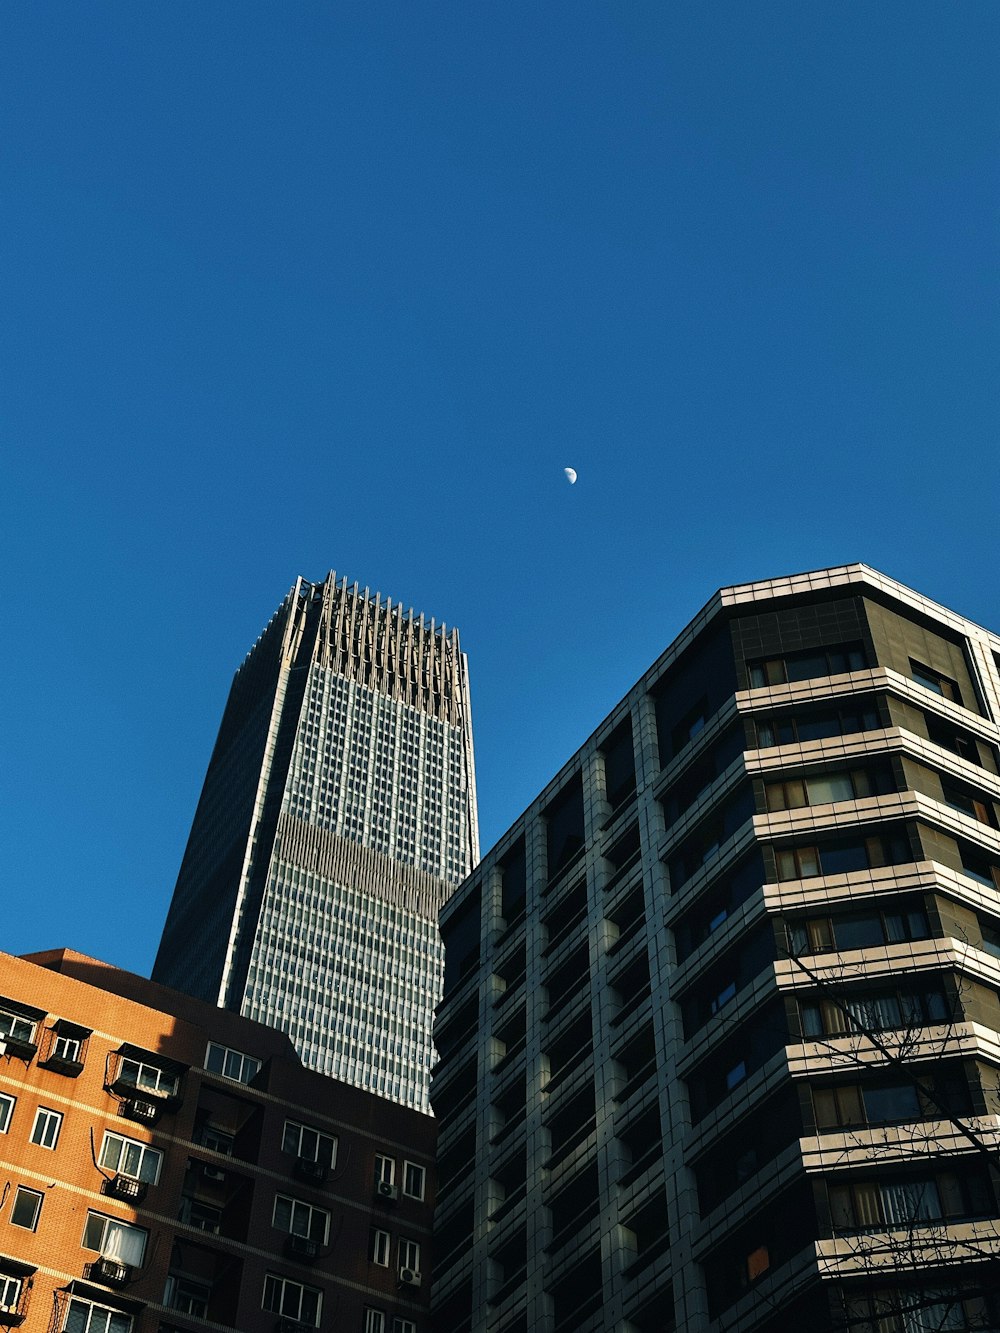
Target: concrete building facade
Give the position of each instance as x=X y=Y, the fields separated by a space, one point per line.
x=720 y=1040
x=170 y=1167
x=337 y=815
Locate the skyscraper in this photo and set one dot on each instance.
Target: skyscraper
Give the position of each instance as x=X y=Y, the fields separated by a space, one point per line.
x=720 y=1040
x=337 y=815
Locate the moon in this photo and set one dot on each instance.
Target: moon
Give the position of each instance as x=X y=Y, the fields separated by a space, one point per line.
x=570 y=475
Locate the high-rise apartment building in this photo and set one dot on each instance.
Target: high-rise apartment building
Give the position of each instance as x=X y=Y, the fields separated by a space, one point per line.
x=337 y=816
x=169 y=1166
x=720 y=1042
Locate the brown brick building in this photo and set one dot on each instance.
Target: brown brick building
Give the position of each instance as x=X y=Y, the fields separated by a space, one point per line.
x=168 y=1166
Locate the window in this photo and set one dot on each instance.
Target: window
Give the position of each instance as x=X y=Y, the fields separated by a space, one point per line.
x=970 y=803
x=919 y=1309
x=10 y=1291
x=933 y=680
x=978 y=867
x=128 y=1157
x=409 y=1255
x=689 y=726
x=311 y=1144
x=66 y=1048
x=403 y=1326
x=891 y=1102
x=204 y=1216
x=958 y=742
x=25 y=1208
x=758 y=1262
x=873 y=1013
x=840 y=857
x=736 y=1075
x=85 y=1317
x=181 y=1293
x=231 y=1064
x=723 y=997
x=835 y=661
x=825 y=789
x=870 y=1204
x=219 y=1140
x=45 y=1130
x=787 y=728
x=291 y=1299
x=856 y=930
x=374 y=1320
x=301 y=1219
x=413 y=1180
x=150 y=1078
x=114 y=1239
x=378 y=1247
x=385 y=1170
x=880 y=1104
x=991 y=938
x=7 y=1105
x=16 y=1027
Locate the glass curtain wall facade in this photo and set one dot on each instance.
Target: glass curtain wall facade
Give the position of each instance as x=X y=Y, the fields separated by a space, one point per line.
x=720 y=1040
x=337 y=816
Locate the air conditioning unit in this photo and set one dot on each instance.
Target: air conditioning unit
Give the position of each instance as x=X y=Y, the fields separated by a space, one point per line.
x=408 y=1278
x=213 y=1172
x=386 y=1191
x=137 y=1109
x=112 y=1271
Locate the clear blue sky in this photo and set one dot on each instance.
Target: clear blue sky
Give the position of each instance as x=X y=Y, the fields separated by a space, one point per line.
x=288 y=287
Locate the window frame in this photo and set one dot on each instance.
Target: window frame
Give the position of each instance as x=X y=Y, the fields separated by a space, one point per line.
x=7 y=1103
x=171 y=1292
x=409 y=1166
x=379 y=1243
x=381 y=1178
x=65 y=1047
x=91 y=1306
x=15 y=1018
x=36 y=1128
x=374 y=1320
x=105 y=1220
x=245 y=1060
x=411 y=1249
x=126 y=1143
x=936 y=682
x=283 y=1284
x=314 y=1213
x=25 y=1191
x=164 y=1085
x=8 y=1305
x=321 y=1136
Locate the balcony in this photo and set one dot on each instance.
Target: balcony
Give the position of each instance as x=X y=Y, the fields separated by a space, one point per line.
x=302 y=1248
x=309 y=1170
x=125 y=1187
x=18 y=1048
x=109 y=1271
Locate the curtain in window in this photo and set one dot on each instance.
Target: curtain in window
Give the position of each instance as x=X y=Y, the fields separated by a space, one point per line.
x=836 y=787
x=875 y=1013
x=910 y=1201
x=866 y=1207
x=932 y=1318
x=123 y=1243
